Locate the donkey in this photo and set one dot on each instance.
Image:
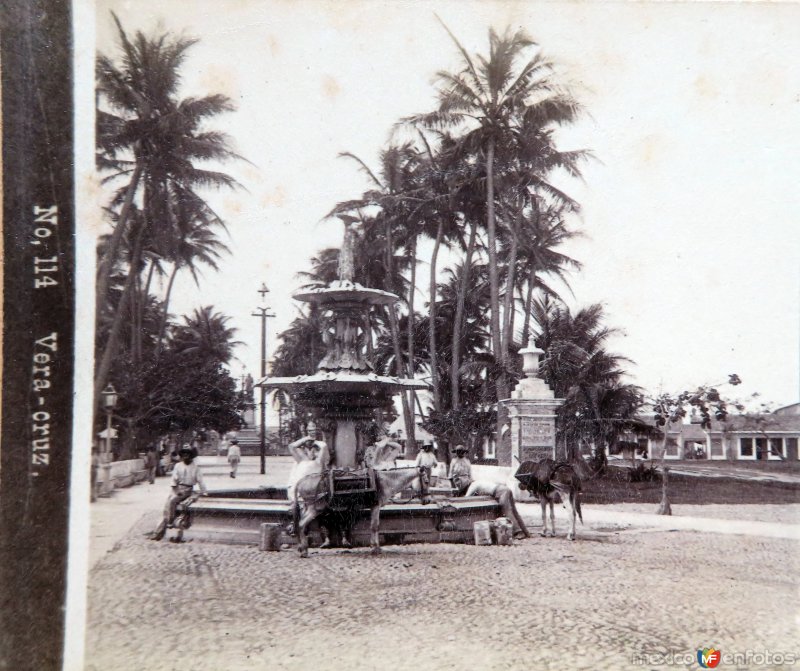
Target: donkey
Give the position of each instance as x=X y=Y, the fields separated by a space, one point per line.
x=552 y=481
x=312 y=496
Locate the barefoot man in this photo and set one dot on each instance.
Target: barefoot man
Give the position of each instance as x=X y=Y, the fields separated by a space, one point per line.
x=311 y=456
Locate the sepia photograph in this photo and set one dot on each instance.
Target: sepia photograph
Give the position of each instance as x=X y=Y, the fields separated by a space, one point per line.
x=411 y=335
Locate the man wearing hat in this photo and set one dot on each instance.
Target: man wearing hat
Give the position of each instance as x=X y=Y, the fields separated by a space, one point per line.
x=460 y=471
x=426 y=460
x=185 y=476
x=234 y=456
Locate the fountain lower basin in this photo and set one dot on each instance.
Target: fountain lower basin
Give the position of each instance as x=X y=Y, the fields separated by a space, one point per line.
x=235 y=516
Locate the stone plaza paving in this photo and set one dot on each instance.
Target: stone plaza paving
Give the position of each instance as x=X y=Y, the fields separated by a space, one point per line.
x=622 y=596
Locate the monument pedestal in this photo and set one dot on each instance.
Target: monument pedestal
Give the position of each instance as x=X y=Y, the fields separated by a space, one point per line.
x=532 y=413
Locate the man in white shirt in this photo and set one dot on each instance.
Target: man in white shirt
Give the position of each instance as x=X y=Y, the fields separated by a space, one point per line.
x=234 y=456
x=505 y=498
x=311 y=457
x=382 y=454
x=460 y=473
x=185 y=476
x=426 y=460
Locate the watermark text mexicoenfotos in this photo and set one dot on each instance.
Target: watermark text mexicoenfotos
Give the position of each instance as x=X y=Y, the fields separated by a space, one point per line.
x=745 y=658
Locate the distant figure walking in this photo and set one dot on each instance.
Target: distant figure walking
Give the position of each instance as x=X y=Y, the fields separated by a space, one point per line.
x=150 y=463
x=185 y=476
x=95 y=467
x=460 y=473
x=234 y=456
x=505 y=498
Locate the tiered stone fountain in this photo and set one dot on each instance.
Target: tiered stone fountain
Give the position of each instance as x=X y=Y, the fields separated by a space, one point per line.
x=344 y=396
x=345 y=392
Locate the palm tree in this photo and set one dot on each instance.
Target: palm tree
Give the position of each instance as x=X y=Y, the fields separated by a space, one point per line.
x=464 y=314
x=472 y=210
x=392 y=193
x=301 y=347
x=540 y=257
x=324 y=269
x=602 y=413
x=196 y=245
x=150 y=138
x=487 y=101
x=574 y=346
x=529 y=156
x=206 y=335
x=578 y=367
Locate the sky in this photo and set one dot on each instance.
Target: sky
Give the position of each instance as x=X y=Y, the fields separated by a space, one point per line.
x=689 y=211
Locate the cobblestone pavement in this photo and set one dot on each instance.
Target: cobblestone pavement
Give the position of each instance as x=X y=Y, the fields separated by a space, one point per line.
x=596 y=603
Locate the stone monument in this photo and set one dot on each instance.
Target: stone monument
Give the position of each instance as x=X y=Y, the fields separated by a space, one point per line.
x=532 y=413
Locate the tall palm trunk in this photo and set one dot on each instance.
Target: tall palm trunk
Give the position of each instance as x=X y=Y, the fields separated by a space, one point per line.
x=110 y=351
x=512 y=320
x=134 y=311
x=494 y=282
x=106 y=265
x=142 y=305
x=437 y=396
x=458 y=319
x=408 y=417
x=412 y=290
x=511 y=280
x=162 y=327
x=494 y=299
x=398 y=358
x=526 y=326
x=138 y=304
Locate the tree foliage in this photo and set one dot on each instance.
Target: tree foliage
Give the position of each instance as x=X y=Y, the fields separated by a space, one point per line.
x=477 y=179
x=158 y=156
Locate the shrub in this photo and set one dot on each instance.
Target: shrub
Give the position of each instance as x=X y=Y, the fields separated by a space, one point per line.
x=641 y=473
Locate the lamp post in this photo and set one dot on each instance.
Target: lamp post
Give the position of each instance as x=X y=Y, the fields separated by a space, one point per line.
x=264 y=313
x=110 y=396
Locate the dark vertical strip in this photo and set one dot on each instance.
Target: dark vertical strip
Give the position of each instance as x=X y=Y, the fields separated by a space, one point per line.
x=38 y=316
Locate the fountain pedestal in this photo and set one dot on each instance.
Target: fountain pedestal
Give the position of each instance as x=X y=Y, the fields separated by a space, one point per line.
x=532 y=412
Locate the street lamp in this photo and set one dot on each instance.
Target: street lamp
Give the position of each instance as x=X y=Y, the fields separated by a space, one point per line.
x=110 y=397
x=264 y=314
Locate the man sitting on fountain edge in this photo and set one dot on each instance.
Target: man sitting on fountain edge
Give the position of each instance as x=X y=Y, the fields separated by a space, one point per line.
x=185 y=476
